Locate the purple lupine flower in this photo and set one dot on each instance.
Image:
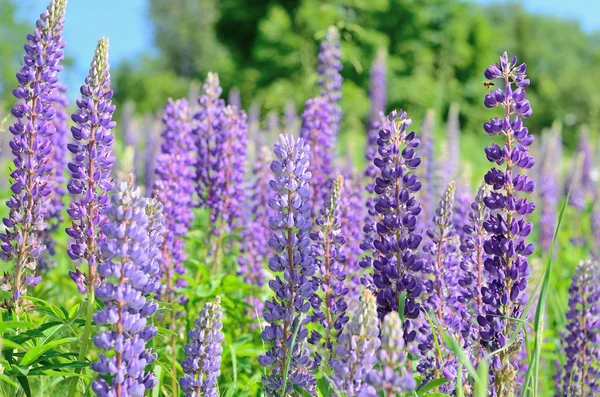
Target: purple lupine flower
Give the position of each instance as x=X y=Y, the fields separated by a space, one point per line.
x=595 y=230
x=580 y=375
x=129 y=274
x=317 y=131
x=473 y=257
x=351 y=215
x=453 y=139
x=356 y=349
x=329 y=68
x=202 y=365
x=293 y=263
x=378 y=87
x=59 y=164
x=431 y=190
x=504 y=293
x=393 y=253
x=131 y=137
x=445 y=301
x=549 y=176
x=32 y=147
x=256 y=219
x=330 y=257
x=174 y=188
x=91 y=167
x=221 y=141
x=462 y=207
x=391 y=377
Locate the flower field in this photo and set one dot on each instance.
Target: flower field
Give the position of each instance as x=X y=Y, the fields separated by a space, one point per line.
x=219 y=258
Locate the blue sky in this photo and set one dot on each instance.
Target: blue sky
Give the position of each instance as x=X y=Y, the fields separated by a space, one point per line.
x=124 y=22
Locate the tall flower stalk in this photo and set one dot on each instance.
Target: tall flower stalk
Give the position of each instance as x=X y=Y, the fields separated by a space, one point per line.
x=504 y=294
x=90 y=180
x=453 y=139
x=293 y=263
x=174 y=188
x=431 y=189
x=130 y=280
x=202 y=365
x=221 y=137
x=330 y=258
x=580 y=375
x=549 y=177
x=378 y=84
x=59 y=165
x=393 y=251
x=32 y=146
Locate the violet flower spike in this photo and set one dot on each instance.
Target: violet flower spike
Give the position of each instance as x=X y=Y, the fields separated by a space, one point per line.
x=91 y=168
x=329 y=67
x=174 y=188
x=549 y=177
x=329 y=253
x=319 y=132
x=393 y=252
x=429 y=173
x=504 y=294
x=356 y=348
x=202 y=365
x=580 y=376
x=32 y=147
x=129 y=274
x=59 y=164
x=293 y=264
x=453 y=139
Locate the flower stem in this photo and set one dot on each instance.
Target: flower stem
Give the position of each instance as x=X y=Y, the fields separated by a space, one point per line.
x=85 y=339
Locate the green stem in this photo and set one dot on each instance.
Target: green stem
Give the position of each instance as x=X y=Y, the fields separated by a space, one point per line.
x=86 y=338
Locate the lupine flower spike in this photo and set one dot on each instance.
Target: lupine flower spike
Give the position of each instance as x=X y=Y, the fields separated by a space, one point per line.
x=202 y=365
x=330 y=258
x=129 y=274
x=174 y=188
x=356 y=348
x=378 y=85
x=91 y=167
x=393 y=252
x=580 y=375
x=293 y=263
x=505 y=294
x=32 y=146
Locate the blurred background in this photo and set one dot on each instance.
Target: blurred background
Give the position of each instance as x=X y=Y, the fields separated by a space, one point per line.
x=437 y=51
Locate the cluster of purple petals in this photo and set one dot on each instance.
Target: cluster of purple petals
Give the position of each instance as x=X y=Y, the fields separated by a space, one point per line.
x=174 y=188
x=329 y=67
x=580 y=374
x=60 y=161
x=504 y=293
x=431 y=191
x=151 y=150
x=355 y=352
x=393 y=251
x=330 y=257
x=446 y=296
x=462 y=207
x=32 y=148
x=378 y=85
x=130 y=279
x=202 y=365
x=391 y=377
x=318 y=131
x=221 y=144
x=256 y=220
x=91 y=166
x=473 y=256
x=549 y=177
x=293 y=264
